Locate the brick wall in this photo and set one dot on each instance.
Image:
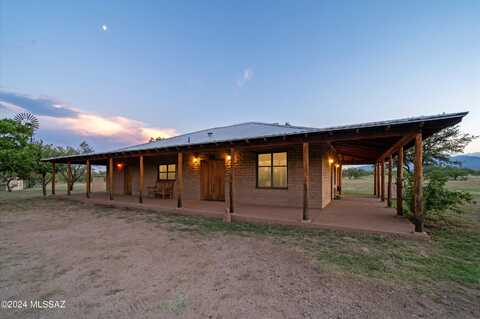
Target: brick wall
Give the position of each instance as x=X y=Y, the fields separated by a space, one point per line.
x=245 y=188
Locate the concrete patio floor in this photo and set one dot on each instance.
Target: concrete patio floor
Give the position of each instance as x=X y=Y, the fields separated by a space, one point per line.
x=361 y=214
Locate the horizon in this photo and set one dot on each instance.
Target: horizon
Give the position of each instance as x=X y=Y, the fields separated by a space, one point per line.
x=115 y=74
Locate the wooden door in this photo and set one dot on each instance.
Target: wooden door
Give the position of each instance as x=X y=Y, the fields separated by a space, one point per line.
x=127 y=181
x=212 y=180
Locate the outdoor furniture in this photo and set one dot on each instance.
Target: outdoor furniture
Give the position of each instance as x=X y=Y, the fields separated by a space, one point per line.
x=162 y=189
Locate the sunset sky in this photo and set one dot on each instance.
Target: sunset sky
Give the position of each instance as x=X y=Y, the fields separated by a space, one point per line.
x=115 y=73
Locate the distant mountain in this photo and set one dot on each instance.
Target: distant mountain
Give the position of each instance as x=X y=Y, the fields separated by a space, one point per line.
x=477 y=154
x=471 y=160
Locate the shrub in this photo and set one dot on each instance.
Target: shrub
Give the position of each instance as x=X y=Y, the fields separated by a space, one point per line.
x=438 y=200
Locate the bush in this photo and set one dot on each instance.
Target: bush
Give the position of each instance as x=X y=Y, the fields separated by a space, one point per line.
x=438 y=200
x=354 y=173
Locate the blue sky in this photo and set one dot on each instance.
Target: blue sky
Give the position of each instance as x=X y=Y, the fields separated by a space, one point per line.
x=168 y=67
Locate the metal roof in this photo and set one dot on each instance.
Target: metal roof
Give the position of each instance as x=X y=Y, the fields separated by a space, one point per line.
x=254 y=130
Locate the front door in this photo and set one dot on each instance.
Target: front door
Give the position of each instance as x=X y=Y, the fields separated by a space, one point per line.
x=127 y=181
x=212 y=179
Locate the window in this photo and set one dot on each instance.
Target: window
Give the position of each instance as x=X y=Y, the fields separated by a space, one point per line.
x=167 y=172
x=272 y=170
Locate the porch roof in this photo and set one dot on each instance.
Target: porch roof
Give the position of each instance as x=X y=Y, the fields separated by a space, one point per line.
x=371 y=139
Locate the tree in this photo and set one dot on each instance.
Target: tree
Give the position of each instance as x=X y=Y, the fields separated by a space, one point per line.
x=78 y=171
x=155 y=139
x=457 y=172
x=44 y=169
x=438 y=148
x=437 y=151
x=16 y=154
x=354 y=173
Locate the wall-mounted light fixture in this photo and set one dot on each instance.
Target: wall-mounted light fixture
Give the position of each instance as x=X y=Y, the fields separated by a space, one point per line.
x=228 y=157
x=337 y=165
x=195 y=159
x=330 y=161
x=119 y=165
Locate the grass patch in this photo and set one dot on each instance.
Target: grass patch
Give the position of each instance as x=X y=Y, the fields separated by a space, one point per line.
x=453 y=254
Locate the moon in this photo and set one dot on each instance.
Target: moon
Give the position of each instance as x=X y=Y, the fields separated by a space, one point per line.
x=104 y=27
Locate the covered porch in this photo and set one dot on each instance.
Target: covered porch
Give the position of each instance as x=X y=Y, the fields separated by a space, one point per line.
x=357 y=214
x=239 y=167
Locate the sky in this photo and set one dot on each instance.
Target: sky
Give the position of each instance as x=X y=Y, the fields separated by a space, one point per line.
x=116 y=73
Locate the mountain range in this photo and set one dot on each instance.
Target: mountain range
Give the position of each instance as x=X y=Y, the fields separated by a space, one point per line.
x=470 y=160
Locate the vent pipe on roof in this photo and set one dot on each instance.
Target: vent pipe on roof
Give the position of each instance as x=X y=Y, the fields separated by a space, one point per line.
x=210 y=134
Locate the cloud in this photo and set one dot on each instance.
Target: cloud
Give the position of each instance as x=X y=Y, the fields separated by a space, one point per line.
x=247 y=75
x=67 y=125
x=37 y=106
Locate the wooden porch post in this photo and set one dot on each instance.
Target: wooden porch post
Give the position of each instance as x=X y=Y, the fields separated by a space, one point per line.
x=69 y=178
x=88 y=175
x=340 y=179
x=179 y=179
x=53 y=178
x=400 y=181
x=378 y=179
x=418 y=183
x=332 y=168
x=389 y=183
x=375 y=179
x=306 y=181
x=382 y=180
x=231 y=180
x=141 y=181
x=110 y=177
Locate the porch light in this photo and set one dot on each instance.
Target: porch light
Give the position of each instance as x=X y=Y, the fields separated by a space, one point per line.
x=195 y=159
x=119 y=165
x=337 y=165
x=330 y=161
x=229 y=157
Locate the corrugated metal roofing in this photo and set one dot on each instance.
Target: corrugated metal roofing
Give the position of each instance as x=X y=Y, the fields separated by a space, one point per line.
x=251 y=130
x=240 y=131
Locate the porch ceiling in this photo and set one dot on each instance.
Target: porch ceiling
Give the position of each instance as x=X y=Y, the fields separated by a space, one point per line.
x=364 y=150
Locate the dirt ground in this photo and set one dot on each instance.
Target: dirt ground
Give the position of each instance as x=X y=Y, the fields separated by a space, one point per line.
x=112 y=263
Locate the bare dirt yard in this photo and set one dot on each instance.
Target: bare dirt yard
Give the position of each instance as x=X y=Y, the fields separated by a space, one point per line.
x=114 y=263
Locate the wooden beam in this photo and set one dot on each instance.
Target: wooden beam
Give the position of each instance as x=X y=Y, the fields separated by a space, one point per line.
x=53 y=177
x=306 y=182
x=375 y=179
x=141 y=180
x=418 y=184
x=404 y=140
x=179 y=179
x=88 y=176
x=382 y=180
x=69 y=178
x=231 y=180
x=389 y=183
x=110 y=177
x=400 y=181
